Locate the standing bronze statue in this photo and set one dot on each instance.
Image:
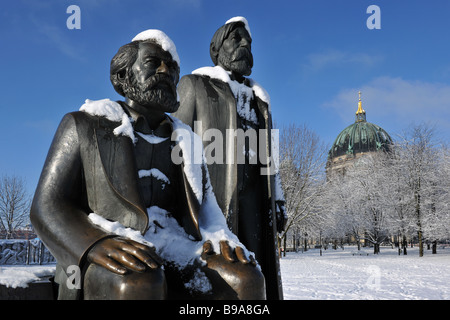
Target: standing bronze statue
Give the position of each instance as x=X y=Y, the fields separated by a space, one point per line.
x=222 y=98
x=112 y=161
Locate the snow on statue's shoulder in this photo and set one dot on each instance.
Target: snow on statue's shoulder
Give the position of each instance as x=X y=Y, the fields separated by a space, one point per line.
x=216 y=72
x=160 y=38
x=103 y=108
x=221 y=74
x=112 y=111
x=259 y=91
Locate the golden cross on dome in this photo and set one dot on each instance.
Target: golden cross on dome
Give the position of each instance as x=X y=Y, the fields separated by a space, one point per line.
x=360 y=113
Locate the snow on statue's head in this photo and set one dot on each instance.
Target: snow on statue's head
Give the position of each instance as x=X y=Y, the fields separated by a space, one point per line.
x=122 y=76
x=160 y=38
x=219 y=57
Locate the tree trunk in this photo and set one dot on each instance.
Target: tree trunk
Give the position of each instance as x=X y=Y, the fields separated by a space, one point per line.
x=405 y=245
x=419 y=235
x=376 y=248
x=419 y=222
x=434 y=248
x=294 y=245
x=279 y=246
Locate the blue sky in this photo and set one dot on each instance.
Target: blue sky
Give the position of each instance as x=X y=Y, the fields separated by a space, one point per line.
x=312 y=56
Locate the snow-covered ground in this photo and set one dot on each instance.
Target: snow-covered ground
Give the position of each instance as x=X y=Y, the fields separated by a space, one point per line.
x=18 y=276
x=336 y=275
x=340 y=275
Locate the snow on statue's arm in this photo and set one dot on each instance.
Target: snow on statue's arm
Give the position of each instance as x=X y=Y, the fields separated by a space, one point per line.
x=212 y=223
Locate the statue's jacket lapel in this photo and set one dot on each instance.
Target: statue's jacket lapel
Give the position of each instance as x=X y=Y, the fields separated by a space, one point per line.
x=114 y=187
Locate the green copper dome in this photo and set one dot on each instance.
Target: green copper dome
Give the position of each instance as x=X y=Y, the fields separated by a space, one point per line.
x=360 y=137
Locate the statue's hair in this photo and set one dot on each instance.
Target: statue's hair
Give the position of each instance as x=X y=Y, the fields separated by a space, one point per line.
x=219 y=37
x=121 y=64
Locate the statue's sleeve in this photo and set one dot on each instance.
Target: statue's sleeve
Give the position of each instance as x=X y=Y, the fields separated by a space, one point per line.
x=57 y=213
x=187 y=112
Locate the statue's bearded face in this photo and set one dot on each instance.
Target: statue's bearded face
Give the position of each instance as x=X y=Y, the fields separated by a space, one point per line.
x=236 y=52
x=152 y=80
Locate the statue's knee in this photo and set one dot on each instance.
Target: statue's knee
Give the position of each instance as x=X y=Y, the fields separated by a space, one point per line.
x=101 y=284
x=149 y=285
x=236 y=280
x=250 y=283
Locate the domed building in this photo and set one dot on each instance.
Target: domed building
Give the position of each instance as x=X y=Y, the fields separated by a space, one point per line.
x=355 y=141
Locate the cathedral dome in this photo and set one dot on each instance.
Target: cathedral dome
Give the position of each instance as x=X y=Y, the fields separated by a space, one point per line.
x=360 y=137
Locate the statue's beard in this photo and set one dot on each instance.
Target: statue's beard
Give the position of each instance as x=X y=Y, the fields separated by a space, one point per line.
x=157 y=92
x=240 y=61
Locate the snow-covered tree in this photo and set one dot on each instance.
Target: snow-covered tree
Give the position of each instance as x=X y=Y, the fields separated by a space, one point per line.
x=342 y=212
x=419 y=152
x=14 y=205
x=436 y=221
x=302 y=159
x=398 y=201
x=369 y=193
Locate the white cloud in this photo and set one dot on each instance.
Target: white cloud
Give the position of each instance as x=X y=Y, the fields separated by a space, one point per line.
x=57 y=36
x=396 y=103
x=333 y=58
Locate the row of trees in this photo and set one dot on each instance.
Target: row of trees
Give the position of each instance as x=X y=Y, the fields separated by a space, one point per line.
x=402 y=195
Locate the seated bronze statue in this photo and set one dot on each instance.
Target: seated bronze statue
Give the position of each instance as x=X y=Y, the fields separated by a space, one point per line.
x=112 y=161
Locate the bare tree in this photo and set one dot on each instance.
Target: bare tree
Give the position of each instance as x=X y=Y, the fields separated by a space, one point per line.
x=14 y=205
x=302 y=160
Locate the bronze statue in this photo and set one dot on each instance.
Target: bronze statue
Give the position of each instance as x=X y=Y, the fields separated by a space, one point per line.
x=112 y=161
x=223 y=98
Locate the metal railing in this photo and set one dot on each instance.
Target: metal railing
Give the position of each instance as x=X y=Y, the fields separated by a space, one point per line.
x=24 y=252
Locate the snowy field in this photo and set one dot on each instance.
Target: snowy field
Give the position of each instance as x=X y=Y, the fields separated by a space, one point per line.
x=340 y=275
x=336 y=275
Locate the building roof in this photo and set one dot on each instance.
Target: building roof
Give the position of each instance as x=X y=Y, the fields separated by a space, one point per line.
x=360 y=137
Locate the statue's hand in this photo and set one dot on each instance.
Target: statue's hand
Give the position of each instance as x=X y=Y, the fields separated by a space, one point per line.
x=240 y=276
x=120 y=254
x=229 y=255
